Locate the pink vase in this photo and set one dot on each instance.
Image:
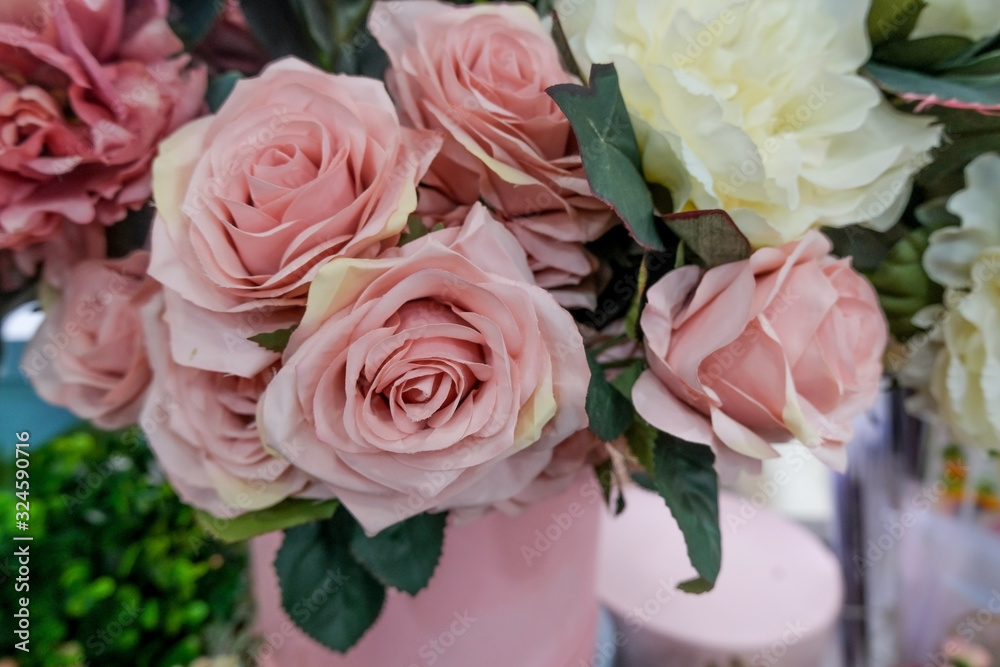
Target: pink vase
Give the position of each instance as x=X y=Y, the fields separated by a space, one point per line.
x=508 y=592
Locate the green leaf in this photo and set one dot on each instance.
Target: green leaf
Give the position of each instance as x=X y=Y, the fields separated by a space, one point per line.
x=921 y=54
x=415 y=229
x=866 y=247
x=194 y=19
x=969 y=89
x=889 y=19
x=954 y=156
x=219 y=88
x=333 y=26
x=641 y=438
x=278 y=29
x=610 y=151
x=711 y=234
x=289 y=512
x=403 y=555
x=696 y=586
x=635 y=308
x=275 y=341
x=317 y=557
x=686 y=480
x=623 y=381
x=610 y=412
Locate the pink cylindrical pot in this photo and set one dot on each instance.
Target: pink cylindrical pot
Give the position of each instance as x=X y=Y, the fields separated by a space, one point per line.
x=508 y=591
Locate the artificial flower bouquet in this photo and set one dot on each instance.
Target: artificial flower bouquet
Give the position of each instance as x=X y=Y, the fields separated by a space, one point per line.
x=432 y=261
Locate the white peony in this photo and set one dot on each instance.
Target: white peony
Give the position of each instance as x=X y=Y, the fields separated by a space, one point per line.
x=952 y=251
x=974 y=19
x=756 y=107
x=966 y=380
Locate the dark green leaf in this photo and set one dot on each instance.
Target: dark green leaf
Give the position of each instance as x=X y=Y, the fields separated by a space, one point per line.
x=711 y=234
x=194 y=19
x=289 y=512
x=219 y=88
x=954 y=156
x=279 y=29
x=275 y=341
x=865 y=246
x=645 y=480
x=687 y=482
x=921 y=54
x=317 y=557
x=641 y=438
x=337 y=30
x=609 y=149
x=403 y=555
x=610 y=412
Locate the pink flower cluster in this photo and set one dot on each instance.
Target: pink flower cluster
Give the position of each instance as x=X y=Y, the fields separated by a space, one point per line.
x=293 y=344
x=87 y=90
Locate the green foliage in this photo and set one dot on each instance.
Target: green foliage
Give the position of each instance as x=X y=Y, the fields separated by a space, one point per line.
x=609 y=411
x=353 y=570
x=121 y=574
x=317 y=557
x=403 y=555
x=328 y=33
x=610 y=151
x=686 y=480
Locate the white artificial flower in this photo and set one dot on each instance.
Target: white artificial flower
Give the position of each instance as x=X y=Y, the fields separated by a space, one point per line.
x=975 y=19
x=966 y=381
x=756 y=107
x=952 y=251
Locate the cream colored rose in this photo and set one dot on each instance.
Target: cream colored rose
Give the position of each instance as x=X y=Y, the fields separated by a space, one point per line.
x=757 y=108
x=974 y=19
x=966 y=380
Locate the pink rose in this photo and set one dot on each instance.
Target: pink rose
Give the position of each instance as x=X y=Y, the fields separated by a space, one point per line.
x=89 y=354
x=298 y=166
x=436 y=377
x=478 y=74
x=87 y=90
x=787 y=344
x=202 y=427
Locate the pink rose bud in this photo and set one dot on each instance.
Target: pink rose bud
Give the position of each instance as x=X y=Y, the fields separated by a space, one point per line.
x=785 y=345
